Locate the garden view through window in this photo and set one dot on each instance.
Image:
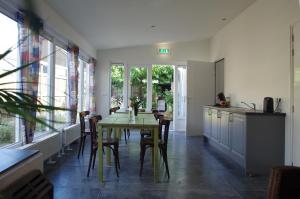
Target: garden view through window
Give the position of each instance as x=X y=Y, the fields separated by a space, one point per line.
x=8 y=39
x=161 y=83
x=60 y=93
x=117 y=84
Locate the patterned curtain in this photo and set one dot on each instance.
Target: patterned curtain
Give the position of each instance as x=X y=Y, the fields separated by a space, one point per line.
x=29 y=42
x=92 y=91
x=73 y=63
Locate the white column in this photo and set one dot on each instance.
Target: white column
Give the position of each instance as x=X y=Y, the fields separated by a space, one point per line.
x=125 y=86
x=149 y=88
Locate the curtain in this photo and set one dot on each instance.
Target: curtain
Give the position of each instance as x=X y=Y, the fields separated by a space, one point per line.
x=92 y=91
x=29 y=43
x=73 y=63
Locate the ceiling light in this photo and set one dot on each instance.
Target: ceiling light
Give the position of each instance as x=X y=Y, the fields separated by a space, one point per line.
x=224 y=19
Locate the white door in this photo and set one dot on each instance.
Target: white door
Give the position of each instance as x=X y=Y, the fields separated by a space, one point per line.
x=180 y=99
x=296 y=115
x=200 y=91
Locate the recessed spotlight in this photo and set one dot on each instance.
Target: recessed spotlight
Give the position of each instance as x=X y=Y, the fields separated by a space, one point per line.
x=224 y=19
x=153 y=27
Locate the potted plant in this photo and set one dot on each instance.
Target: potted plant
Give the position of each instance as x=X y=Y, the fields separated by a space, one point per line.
x=135 y=103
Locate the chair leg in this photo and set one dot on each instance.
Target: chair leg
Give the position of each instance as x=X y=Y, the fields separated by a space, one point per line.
x=142 y=156
x=125 y=136
x=90 y=163
x=118 y=157
x=128 y=133
x=80 y=146
x=95 y=154
x=165 y=157
x=116 y=160
x=83 y=144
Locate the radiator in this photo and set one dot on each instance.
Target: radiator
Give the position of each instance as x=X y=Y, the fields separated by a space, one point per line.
x=48 y=145
x=70 y=134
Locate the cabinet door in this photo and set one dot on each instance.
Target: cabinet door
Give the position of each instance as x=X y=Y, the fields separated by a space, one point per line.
x=238 y=135
x=207 y=122
x=224 y=129
x=215 y=125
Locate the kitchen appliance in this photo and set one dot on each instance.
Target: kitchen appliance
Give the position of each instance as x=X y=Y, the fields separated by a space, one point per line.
x=268 y=105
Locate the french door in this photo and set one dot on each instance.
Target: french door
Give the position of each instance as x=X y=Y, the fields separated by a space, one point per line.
x=151 y=83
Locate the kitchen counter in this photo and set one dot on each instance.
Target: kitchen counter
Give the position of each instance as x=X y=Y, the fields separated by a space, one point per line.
x=253 y=139
x=244 y=111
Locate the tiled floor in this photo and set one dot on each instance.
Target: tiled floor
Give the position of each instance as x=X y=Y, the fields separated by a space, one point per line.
x=197 y=171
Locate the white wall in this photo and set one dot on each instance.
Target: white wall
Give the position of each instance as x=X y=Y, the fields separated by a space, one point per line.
x=179 y=54
x=55 y=21
x=256 y=48
x=57 y=24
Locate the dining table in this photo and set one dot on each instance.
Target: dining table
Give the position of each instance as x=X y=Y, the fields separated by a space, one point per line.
x=123 y=120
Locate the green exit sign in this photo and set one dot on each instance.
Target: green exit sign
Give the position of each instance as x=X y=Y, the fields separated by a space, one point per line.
x=164 y=51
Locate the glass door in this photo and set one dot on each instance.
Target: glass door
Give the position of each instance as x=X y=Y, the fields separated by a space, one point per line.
x=180 y=98
x=138 y=85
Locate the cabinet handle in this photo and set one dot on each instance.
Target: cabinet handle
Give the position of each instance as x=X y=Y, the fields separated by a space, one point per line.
x=230 y=118
x=218 y=114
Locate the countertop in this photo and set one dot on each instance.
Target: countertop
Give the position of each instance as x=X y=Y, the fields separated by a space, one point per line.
x=244 y=111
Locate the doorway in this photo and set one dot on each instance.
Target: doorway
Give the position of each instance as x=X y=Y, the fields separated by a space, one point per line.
x=295 y=137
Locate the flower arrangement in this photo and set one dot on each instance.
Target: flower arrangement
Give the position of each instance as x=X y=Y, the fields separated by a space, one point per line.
x=135 y=103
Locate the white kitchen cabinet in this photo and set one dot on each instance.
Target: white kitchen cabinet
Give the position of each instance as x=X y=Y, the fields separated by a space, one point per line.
x=237 y=138
x=253 y=139
x=224 y=130
x=215 y=125
x=207 y=122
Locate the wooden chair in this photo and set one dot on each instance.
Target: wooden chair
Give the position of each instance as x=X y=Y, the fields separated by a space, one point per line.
x=126 y=131
x=284 y=182
x=147 y=132
x=111 y=143
x=83 y=132
x=163 y=144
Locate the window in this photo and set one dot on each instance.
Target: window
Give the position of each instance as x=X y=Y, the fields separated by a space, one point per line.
x=162 y=80
x=44 y=83
x=138 y=84
x=117 y=85
x=60 y=91
x=8 y=38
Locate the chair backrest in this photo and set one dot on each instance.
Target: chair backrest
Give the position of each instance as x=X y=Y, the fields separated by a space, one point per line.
x=166 y=124
x=82 y=116
x=93 y=127
x=155 y=113
x=284 y=182
x=113 y=110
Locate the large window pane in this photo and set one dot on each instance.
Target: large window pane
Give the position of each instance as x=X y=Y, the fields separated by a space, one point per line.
x=8 y=38
x=162 y=81
x=60 y=91
x=44 y=86
x=117 y=84
x=138 y=84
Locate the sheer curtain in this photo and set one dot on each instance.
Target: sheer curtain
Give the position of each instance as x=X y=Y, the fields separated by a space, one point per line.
x=73 y=63
x=29 y=49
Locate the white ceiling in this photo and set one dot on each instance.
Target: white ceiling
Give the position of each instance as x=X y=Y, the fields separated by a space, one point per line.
x=121 y=23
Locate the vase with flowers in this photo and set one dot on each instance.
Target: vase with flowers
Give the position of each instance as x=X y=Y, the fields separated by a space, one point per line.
x=135 y=103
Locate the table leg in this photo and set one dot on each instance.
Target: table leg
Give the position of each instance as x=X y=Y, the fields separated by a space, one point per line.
x=155 y=155
x=100 y=153
x=117 y=133
x=107 y=150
